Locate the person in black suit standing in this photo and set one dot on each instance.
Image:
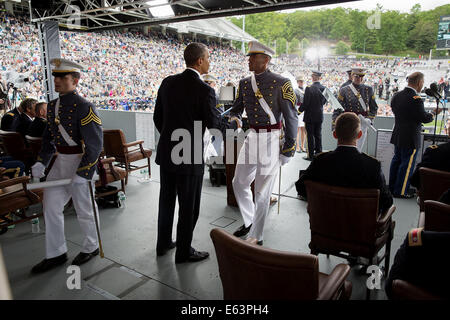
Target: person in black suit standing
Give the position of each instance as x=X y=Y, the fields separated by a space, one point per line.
x=346 y=166
x=39 y=123
x=409 y=112
x=184 y=108
x=26 y=118
x=313 y=102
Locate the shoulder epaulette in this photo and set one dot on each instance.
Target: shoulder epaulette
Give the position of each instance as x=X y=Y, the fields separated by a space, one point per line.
x=433 y=146
x=10 y=114
x=415 y=237
x=417 y=97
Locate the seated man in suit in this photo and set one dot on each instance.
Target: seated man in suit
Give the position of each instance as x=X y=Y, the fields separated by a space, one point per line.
x=346 y=166
x=422 y=261
x=435 y=157
x=39 y=123
x=26 y=118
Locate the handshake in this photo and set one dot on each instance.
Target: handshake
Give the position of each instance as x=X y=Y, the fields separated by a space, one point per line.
x=38 y=171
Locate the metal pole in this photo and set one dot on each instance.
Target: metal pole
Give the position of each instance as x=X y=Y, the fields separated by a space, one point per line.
x=96 y=219
x=243 y=29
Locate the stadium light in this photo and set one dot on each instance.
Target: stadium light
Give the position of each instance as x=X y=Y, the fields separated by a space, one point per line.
x=160 y=10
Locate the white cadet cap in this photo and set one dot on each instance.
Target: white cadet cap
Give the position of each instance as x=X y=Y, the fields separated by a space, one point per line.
x=65 y=66
x=359 y=71
x=209 y=78
x=255 y=47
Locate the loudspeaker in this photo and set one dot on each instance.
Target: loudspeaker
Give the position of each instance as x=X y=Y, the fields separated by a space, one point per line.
x=42 y=4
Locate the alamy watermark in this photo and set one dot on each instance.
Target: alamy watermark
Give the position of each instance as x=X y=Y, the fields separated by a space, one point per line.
x=374 y=279
x=74 y=280
x=374 y=21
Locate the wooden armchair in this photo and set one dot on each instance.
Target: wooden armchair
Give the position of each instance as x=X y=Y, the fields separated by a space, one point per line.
x=115 y=145
x=14 y=199
x=436 y=216
x=433 y=183
x=345 y=222
x=111 y=174
x=14 y=146
x=249 y=271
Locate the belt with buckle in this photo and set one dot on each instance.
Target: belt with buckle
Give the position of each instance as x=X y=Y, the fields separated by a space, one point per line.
x=276 y=126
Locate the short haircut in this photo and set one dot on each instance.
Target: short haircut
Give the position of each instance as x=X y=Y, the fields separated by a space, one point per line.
x=347 y=126
x=193 y=52
x=27 y=104
x=40 y=106
x=415 y=77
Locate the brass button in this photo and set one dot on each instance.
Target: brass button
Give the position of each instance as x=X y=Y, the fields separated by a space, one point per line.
x=274 y=81
x=256 y=116
x=270 y=94
x=256 y=109
x=86 y=174
x=271 y=87
x=256 y=122
x=70 y=124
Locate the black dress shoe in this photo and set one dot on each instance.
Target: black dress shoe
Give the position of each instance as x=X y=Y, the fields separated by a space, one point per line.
x=193 y=257
x=307 y=158
x=48 y=264
x=260 y=243
x=84 y=257
x=163 y=251
x=242 y=231
x=404 y=196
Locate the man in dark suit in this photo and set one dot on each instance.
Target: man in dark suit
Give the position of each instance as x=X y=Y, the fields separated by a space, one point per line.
x=10 y=119
x=435 y=157
x=346 y=166
x=39 y=123
x=184 y=108
x=422 y=261
x=409 y=113
x=26 y=118
x=313 y=102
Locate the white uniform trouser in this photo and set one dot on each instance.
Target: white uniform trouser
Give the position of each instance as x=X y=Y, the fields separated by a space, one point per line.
x=55 y=198
x=259 y=161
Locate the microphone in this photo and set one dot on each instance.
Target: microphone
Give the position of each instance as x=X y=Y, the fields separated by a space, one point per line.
x=434 y=88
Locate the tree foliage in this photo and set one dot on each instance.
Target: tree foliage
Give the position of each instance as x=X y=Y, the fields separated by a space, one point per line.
x=397 y=32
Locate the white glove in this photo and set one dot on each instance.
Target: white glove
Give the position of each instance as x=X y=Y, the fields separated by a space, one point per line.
x=77 y=179
x=284 y=159
x=38 y=170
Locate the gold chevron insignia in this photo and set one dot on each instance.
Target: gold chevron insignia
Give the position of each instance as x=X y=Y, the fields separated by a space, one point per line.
x=288 y=92
x=91 y=117
x=87 y=167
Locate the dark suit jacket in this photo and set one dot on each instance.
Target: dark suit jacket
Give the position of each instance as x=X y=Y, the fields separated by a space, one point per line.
x=10 y=120
x=409 y=116
x=23 y=124
x=423 y=265
x=347 y=167
x=313 y=102
x=37 y=127
x=183 y=99
x=435 y=157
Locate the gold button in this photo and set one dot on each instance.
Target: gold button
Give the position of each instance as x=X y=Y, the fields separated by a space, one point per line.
x=71 y=111
x=86 y=174
x=257 y=83
x=245 y=88
x=256 y=122
x=270 y=95
x=245 y=81
x=256 y=109
x=274 y=81
x=256 y=116
x=243 y=94
x=271 y=87
x=74 y=104
x=70 y=124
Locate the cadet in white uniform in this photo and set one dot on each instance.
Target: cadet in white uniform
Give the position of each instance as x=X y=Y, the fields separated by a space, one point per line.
x=268 y=99
x=74 y=131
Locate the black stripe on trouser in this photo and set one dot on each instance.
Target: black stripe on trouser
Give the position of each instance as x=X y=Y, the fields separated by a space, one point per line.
x=188 y=188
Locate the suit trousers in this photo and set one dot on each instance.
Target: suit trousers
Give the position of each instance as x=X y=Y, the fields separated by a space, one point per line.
x=55 y=198
x=314 y=135
x=402 y=167
x=188 y=188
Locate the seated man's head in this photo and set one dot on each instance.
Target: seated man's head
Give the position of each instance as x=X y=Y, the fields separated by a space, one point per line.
x=348 y=129
x=28 y=107
x=41 y=110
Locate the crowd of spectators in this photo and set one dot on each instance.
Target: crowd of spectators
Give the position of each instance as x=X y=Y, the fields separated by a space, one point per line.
x=124 y=69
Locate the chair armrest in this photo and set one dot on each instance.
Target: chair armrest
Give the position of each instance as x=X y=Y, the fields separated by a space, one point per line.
x=14 y=181
x=386 y=216
x=108 y=160
x=335 y=281
x=403 y=290
x=134 y=143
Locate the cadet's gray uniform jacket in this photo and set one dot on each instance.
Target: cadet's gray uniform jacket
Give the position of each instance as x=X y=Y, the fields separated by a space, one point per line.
x=80 y=120
x=350 y=102
x=279 y=95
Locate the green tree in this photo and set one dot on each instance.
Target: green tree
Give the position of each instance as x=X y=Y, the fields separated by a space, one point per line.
x=294 y=45
x=342 y=48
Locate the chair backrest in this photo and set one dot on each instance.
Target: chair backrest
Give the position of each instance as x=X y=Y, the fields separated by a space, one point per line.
x=35 y=144
x=249 y=271
x=437 y=216
x=113 y=143
x=346 y=214
x=13 y=144
x=433 y=183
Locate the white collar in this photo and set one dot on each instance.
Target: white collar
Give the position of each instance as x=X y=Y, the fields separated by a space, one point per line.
x=346 y=145
x=199 y=75
x=412 y=89
x=28 y=116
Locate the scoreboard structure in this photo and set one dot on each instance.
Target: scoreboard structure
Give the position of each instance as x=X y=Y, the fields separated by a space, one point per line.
x=443 y=37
